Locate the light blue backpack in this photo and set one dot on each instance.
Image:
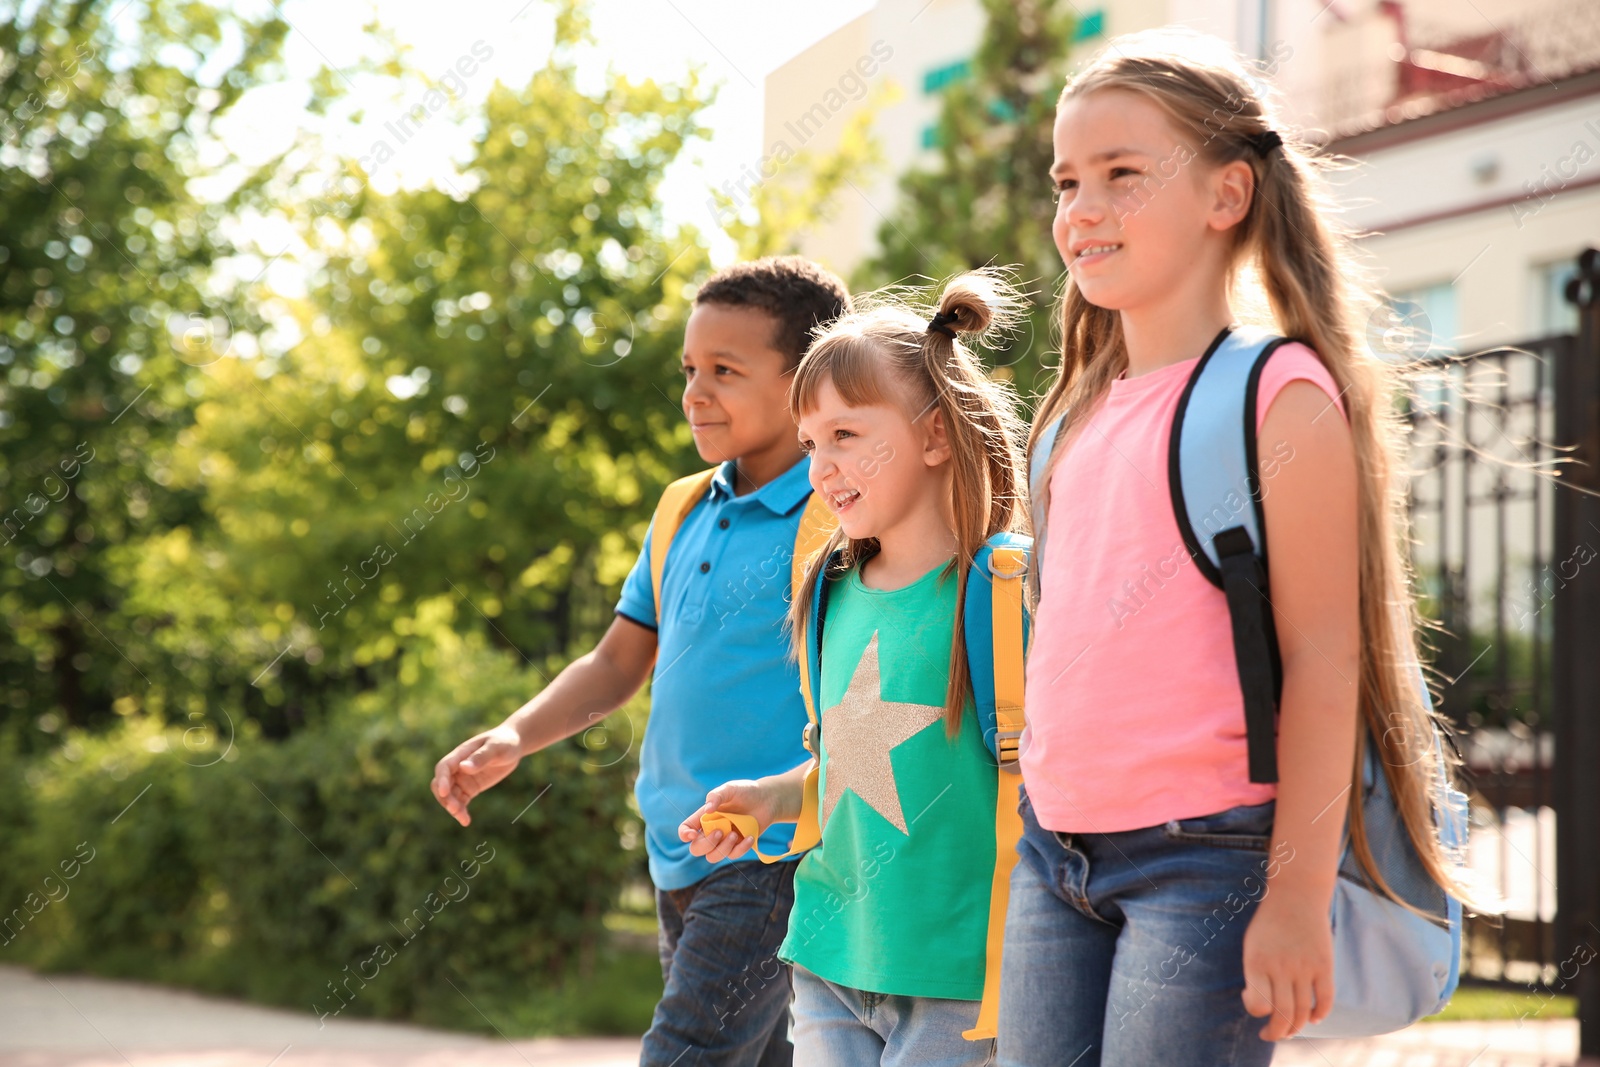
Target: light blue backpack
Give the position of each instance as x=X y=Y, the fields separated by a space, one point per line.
x=1391 y=965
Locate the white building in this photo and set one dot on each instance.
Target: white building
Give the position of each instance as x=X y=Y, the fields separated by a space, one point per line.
x=1476 y=124
x=1480 y=146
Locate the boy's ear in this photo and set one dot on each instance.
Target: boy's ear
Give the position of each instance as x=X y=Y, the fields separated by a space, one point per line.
x=936 y=442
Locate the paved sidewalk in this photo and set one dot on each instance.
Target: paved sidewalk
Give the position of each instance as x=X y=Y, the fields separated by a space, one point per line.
x=73 y=1021
x=70 y=1021
x=1547 y=1043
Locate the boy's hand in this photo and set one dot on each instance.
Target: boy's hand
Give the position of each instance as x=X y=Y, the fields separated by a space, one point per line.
x=1288 y=964
x=743 y=797
x=474 y=766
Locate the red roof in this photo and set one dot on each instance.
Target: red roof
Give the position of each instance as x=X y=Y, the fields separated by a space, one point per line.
x=1434 y=72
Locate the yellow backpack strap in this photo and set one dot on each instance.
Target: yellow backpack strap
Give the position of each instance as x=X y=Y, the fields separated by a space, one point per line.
x=1009 y=567
x=677 y=500
x=817 y=524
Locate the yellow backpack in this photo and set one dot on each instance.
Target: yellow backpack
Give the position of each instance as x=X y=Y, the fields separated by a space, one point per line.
x=679 y=498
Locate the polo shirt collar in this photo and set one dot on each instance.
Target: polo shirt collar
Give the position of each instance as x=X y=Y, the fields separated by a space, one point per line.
x=781 y=495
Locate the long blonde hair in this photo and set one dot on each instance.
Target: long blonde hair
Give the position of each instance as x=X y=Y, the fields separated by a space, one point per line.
x=1290 y=246
x=887 y=353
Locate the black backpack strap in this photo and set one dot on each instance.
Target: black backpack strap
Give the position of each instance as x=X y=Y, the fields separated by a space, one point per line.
x=1255 y=648
x=1214 y=481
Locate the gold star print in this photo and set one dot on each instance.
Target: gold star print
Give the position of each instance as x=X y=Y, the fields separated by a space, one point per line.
x=858 y=734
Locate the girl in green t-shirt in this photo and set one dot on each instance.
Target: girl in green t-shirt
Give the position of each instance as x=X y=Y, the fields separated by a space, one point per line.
x=918 y=451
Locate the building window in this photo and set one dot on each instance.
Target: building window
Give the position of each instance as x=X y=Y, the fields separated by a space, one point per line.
x=1418 y=322
x=1091 y=25
x=943 y=77
x=930 y=135
x=1553 y=313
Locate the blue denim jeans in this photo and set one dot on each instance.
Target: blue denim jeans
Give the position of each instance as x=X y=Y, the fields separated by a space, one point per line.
x=1127 y=949
x=726 y=992
x=836 y=1026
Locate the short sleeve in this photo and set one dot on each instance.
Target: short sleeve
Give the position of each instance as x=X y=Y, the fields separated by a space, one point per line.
x=1293 y=362
x=638 y=603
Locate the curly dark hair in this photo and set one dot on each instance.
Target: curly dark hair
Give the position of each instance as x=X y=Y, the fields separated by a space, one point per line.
x=799 y=295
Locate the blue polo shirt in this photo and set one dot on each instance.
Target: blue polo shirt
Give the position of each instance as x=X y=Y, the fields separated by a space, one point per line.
x=725 y=695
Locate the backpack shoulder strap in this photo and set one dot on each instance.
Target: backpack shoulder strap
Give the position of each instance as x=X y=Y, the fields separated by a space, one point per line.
x=808 y=829
x=1216 y=500
x=1044 y=450
x=810 y=650
x=977 y=622
x=996 y=635
x=817 y=524
x=677 y=500
x=995 y=628
x=1211 y=454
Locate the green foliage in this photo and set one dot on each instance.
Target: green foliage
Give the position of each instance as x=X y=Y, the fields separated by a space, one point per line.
x=1486 y=677
x=473 y=430
x=245 y=506
x=267 y=558
x=988 y=200
x=618 y=997
x=136 y=892
x=320 y=872
x=103 y=257
x=1476 y=1003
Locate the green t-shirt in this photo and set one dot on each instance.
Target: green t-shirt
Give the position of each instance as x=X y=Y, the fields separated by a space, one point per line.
x=895 y=899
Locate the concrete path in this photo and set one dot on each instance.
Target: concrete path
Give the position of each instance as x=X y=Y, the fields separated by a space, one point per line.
x=73 y=1021
x=1547 y=1043
x=70 y=1021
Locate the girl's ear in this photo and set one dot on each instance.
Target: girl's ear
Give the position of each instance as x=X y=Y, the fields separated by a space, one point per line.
x=1233 y=187
x=936 y=442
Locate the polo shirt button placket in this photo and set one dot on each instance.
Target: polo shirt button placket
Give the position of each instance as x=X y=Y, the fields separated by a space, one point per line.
x=722 y=524
x=705 y=568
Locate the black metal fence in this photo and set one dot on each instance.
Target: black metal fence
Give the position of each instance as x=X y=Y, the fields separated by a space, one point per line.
x=1508 y=560
x=1483 y=435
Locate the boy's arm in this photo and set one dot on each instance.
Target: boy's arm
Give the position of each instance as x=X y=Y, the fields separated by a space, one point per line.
x=590 y=688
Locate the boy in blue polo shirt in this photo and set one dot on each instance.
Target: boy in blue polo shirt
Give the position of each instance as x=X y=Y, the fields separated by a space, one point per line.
x=720 y=666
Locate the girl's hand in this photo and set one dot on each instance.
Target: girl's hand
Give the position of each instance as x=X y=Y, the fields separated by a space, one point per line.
x=1288 y=963
x=742 y=797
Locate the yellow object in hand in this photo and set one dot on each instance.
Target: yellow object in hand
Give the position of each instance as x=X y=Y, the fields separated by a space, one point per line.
x=808 y=834
x=730 y=822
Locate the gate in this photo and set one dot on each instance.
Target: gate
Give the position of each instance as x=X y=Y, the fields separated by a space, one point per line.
x=1508 y=564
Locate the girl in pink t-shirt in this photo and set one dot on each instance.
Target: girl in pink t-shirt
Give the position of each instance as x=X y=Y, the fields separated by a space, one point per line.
x=1162 y=898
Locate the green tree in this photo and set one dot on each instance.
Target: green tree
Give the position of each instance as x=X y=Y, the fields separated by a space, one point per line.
x=477 y=423
x=103 y=256
x=988 y=201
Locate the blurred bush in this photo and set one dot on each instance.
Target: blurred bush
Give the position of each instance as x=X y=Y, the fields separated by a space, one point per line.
x=319 y=872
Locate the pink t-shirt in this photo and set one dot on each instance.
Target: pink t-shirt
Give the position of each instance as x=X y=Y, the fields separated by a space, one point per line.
x=1134 y=712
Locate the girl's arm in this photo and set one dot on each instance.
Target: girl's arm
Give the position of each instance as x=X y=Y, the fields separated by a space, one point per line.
x=1310 y=504
x=773 y=799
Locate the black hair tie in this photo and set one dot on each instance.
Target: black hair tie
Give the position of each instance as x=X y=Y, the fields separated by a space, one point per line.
x=1264 y=141
x=941 y=321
